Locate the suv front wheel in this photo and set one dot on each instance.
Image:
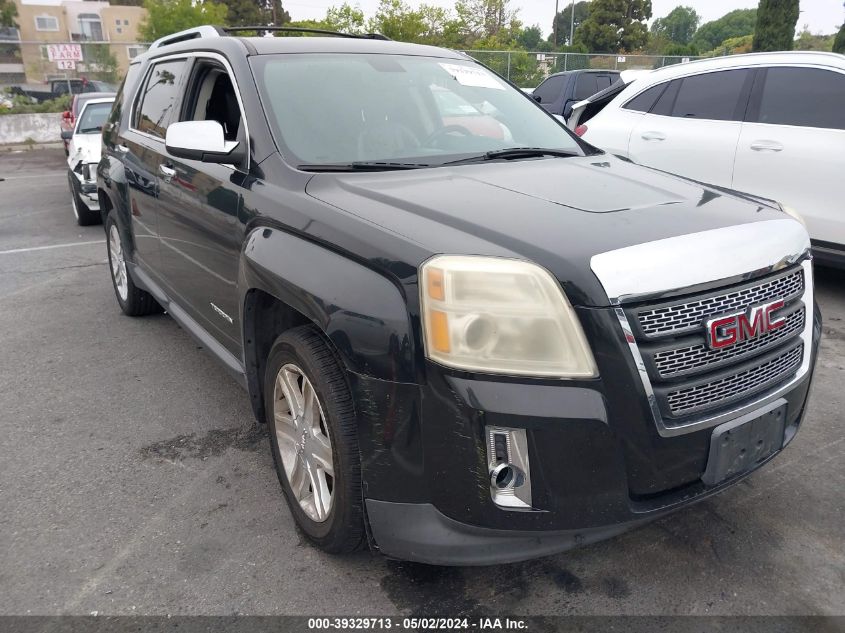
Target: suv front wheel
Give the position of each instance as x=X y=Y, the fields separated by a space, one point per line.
x=314 y=440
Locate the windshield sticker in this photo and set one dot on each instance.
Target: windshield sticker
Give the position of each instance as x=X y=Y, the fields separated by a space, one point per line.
x=471 y=76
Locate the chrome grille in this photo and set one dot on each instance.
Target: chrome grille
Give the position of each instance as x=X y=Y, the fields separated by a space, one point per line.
x=698 y=357
x=708 y=394
x=683 y=317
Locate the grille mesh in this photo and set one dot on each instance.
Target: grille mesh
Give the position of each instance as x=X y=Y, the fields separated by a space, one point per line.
x=708 y=394
x=682 y=317
x=699 y=357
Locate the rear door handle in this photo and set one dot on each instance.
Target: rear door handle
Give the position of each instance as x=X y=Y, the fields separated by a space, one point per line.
x=653 y=136
x=167 y=172
x=766 y=146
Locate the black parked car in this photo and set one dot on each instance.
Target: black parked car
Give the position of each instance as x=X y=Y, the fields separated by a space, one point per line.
x=469 y=347
x=559 y=92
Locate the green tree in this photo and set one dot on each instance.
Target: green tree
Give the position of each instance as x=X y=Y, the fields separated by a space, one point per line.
x=734 y=24
x=396 y=20
x=806 y=41
x=245 y=13
x=615 y=26
x=485 y=19
x=839 y=42
x=101 y=64
x=563 y=22
x=345 y=18
x=530 y=38
x=169 y=16
x=775 y=30
x=679 y=26
x=8 y=13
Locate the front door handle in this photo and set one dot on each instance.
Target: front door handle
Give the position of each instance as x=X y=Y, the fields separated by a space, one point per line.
x=122 y=149
x=167 y=171
x=766 y=146
x=653 y=136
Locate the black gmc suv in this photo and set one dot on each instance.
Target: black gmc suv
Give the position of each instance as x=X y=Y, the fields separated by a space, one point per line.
x=474 y=337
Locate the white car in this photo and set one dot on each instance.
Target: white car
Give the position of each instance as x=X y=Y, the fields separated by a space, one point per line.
x=767 y=124
x=84 y=147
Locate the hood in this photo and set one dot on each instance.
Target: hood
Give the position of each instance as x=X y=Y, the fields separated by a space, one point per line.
x=558 y=212
x=85 y=148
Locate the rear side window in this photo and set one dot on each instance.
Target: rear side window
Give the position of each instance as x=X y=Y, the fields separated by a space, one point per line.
x=589 y=84
x=550 y=89
x=644 y=101
x=124 y=93
x=158 y=97
x=808 y=97
x=713 y=96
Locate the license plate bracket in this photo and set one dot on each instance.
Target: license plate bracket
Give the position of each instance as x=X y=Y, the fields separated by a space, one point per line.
x=736 y=446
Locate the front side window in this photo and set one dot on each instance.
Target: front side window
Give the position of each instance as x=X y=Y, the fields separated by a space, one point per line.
x=212 y=98
x=550 y=90
x=713 y=96
x=327 y=109
x=93 y=117
x=158 y=97
x=807 y=97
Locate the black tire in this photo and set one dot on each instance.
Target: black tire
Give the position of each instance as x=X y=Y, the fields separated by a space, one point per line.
x=343 y=531
x=83 y=215
x=137 y=302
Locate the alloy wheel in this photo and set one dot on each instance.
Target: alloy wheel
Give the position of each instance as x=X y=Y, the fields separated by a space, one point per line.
x=304 y=444
x=118 y=264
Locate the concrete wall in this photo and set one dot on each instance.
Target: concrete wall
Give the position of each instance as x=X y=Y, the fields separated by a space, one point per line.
x=41 y=128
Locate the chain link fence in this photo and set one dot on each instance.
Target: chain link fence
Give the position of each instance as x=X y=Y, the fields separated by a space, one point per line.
x=35 y=62
x=529 y=69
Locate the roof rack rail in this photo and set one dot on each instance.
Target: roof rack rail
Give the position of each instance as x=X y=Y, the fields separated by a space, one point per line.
x=188 y=34
x=301 y=29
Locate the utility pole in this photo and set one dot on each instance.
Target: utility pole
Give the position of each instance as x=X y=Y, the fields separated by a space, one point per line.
x=572 y=23
x=555 y=23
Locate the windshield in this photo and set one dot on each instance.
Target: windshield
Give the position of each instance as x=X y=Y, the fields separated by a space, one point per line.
x=339 y=109
x=93 y=117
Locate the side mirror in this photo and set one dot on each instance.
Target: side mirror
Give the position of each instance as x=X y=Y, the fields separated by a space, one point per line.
x=202 y=140
x=66 y=135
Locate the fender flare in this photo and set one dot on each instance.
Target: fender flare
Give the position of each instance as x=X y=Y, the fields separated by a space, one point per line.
x=361 y=311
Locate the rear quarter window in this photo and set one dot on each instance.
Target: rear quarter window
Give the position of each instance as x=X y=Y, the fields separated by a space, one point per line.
x=644 y=101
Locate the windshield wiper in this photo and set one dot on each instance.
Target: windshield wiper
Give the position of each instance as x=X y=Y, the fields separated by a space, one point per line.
x=90 y=130
x=362 y=166
x=513 y=153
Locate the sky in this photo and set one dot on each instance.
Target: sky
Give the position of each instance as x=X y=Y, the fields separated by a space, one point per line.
x=822 y=16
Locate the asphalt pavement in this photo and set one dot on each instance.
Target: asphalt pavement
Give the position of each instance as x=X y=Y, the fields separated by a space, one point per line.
x=134 y=480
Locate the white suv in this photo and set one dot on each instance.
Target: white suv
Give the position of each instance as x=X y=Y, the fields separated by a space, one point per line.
x=769 y=124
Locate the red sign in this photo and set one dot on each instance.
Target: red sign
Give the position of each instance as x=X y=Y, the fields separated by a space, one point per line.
x=64 y=52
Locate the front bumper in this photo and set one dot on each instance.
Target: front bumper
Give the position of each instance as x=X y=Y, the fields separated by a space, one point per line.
x=598 y=465
x=87 y=190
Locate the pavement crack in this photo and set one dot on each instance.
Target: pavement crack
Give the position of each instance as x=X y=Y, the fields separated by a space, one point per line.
x=50 y=270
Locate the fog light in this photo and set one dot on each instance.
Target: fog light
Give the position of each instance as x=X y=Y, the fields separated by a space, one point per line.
x=507 y=461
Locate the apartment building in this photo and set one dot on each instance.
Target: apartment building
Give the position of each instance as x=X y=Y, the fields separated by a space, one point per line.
x=96 y=26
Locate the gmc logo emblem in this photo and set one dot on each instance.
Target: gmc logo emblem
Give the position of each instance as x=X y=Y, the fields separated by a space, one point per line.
x=732 y=329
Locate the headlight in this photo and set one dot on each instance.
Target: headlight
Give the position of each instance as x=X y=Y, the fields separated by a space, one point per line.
x=502 y=316
x=793 y=214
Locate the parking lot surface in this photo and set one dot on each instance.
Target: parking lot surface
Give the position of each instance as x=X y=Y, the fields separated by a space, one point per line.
x=134 y=480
